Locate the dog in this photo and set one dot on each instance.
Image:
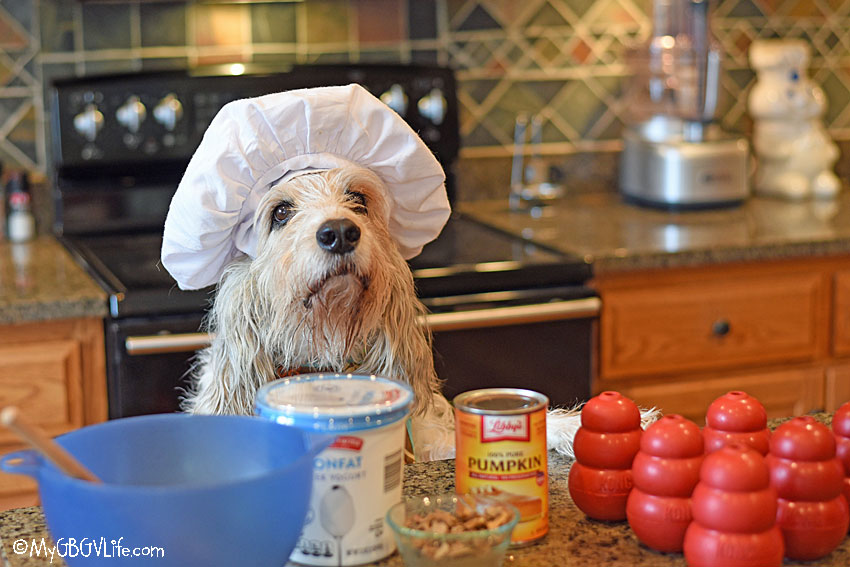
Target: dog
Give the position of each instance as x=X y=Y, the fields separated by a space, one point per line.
x=329 y=291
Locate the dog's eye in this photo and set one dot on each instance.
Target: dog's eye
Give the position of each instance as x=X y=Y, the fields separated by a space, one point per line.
x=358 y=201
x=282 y=213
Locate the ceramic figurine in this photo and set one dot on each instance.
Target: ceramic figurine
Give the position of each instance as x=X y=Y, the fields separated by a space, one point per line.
x=795 y=155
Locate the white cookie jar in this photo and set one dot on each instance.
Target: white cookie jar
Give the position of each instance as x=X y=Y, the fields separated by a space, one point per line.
x=794 y=152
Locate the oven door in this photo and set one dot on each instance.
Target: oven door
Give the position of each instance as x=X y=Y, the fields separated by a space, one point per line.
x=148 y=362
x=546 y=346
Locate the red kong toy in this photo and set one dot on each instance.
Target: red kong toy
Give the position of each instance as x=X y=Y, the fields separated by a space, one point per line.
x=734 y=508
x=605 y=445
x=665 y=472
x=808 y=477
x=736 y=417
x=841 y=430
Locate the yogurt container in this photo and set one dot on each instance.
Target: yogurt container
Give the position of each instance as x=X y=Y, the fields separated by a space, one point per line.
x=358 y=477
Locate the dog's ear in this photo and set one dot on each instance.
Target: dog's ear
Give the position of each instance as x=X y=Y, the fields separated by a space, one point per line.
x=236 y=364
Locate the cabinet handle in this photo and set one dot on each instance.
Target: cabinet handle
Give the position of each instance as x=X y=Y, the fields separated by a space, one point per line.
x=720 y=328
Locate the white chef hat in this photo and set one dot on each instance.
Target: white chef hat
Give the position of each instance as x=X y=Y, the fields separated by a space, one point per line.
x=255 y=143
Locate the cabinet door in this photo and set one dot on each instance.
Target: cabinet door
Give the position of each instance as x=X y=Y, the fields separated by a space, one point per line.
x=783 y=393
x=841 y=314
x=837 y=386
x=44 y=380
x=705 y=326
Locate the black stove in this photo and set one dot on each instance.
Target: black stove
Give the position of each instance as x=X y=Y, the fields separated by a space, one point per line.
x=120 y=146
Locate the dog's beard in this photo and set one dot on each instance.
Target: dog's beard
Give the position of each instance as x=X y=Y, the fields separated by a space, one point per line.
x=337 y=312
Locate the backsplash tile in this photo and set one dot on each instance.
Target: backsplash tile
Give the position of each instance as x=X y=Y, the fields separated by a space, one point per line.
x=560 y=59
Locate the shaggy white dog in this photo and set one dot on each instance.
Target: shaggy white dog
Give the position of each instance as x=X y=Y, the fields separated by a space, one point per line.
x=328 y=290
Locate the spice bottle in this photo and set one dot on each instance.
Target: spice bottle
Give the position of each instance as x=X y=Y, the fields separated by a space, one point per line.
x=841 y=430
x=605 y=446
x=734 y=508
x=808 y=477
x=20 y=223
x=665 y=472
x=736 y=417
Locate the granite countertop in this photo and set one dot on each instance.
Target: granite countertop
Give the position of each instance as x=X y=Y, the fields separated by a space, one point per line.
x=615 y=236
x=40 y=280
x=573 y=539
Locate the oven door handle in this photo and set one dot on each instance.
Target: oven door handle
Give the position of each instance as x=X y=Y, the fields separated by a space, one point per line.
x=473 y=319
x=514 y=315
x=158 y=344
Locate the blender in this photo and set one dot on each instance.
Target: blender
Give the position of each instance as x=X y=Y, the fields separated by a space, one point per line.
x=675 y=156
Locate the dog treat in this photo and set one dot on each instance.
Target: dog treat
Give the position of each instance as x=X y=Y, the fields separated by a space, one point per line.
x=501 y=451
x=465 y=519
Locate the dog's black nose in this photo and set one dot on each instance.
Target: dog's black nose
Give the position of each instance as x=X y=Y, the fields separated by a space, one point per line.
x=338 y=236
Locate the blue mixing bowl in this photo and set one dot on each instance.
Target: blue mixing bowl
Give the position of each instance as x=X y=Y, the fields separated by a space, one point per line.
x=178 y=490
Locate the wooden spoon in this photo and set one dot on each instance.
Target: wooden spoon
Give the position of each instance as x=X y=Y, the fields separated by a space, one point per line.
x=50 y=449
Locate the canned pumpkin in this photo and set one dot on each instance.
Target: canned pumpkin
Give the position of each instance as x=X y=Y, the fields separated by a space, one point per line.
x=500 y=440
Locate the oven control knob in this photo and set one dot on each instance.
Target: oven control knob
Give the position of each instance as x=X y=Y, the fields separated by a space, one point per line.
x=131 y=114
x=89 y=122
x=395 y=98
x=168 y=111
x=433 y=106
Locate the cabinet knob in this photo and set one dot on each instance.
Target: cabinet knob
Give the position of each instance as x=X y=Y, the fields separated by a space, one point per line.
x=720 y=328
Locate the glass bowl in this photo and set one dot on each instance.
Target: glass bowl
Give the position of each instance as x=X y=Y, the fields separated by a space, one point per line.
x=477 y=546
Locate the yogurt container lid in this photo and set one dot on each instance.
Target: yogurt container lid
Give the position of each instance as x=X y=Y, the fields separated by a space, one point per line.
x=334 y=402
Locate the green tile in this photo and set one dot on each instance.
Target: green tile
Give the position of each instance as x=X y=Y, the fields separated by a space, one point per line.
x=57 y=26
x=273 y=23
x=22 y=11
x=165 y=64
x=283 y=61
x=10 y=105
x=55 y=71
x=380 y=56
x=546 y=90
x=745 y=9
x=422 y=19
x=479 y=19
x=106 y=26
x=110 y=67
x=552 y=134
x=547 y=16
x=580 y=7
x=581 y=107
x=837 y=96
x=614 y=131
x=479 y=89
x=327 y=21
x=425 y=56
x=480 y=136
x=163 y=23
x=23 y=135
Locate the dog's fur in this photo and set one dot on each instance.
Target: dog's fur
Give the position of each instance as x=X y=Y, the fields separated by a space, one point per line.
x=299 y=306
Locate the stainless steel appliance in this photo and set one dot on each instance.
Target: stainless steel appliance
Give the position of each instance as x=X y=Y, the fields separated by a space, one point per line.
x=674 y=154
x=504 y=312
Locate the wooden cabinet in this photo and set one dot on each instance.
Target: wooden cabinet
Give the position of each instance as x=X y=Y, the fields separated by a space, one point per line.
x=54 y=371
x=679 y=338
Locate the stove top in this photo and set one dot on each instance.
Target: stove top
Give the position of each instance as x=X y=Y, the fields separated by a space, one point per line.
x=467 y=258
